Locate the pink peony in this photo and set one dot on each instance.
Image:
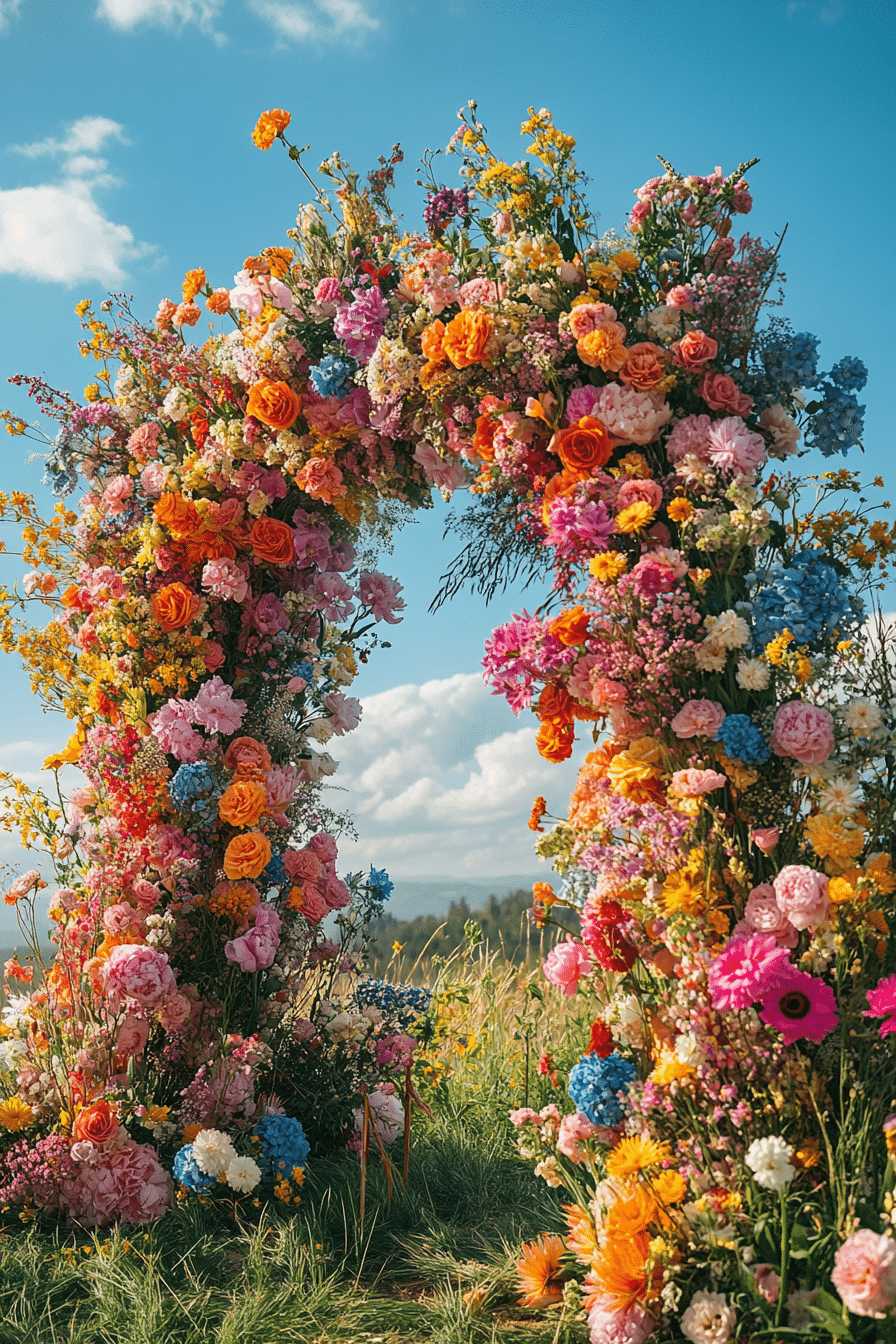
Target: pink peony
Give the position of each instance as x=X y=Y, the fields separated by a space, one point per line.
x=225 y=578
x=803 y=731
x=126 y=1183
x=380 y=594
x=882 y=1003
x=864 y=1273
x=606 y=1325
x=565 y=965
x=631 y=417
x=798 y=1005
x=256 y=949
x=742 y=968
x=574 y=1131
x=170 y=726
x=216 y=710
x=802 y=894
x=731 y=446
x=698 y=718
x=139 y=973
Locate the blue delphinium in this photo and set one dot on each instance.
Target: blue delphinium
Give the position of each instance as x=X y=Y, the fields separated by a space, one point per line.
x=792 y=360
x=807 y=597
x=283 y=1146
x=329 y=377
x=595 y=1084
x=275 y=875
x=405 y=1003
x=187 y=1171
x=743 y=741
x=194 y=789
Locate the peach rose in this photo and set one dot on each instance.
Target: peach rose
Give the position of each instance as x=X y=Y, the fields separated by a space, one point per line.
x=803 y=731
x=247 y=757
x=243 y=803
x=97 y=1123
x=694 y=350
x=644 y=367
x=584 y=446
x=273 y=403
x=247 y=855
x=722 y=394
x=466 y=337
x=272 y=541
x=174 y=606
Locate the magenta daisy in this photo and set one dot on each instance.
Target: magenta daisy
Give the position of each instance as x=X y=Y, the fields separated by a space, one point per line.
x=799 y=1006
x=882 y=1003
x=743 y=966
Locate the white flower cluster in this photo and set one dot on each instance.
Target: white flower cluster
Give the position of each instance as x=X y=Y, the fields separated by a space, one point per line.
x=769 y=1161
x=214 y=1154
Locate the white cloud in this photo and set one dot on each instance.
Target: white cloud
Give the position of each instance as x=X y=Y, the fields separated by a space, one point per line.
x=57 y=231
x=441 y=782
x=317 y=21
x=8 y=10
x=126 y=14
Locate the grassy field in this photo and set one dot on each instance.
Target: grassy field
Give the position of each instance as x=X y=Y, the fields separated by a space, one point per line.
x=435 y=1263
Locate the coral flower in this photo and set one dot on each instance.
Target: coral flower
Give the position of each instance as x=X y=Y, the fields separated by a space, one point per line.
x=632 y=1155
x=539 y=1272
x=269 y=126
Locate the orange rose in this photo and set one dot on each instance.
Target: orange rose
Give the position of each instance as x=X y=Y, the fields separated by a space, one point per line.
x=554 y=705
x=584 y=446
x=174 y=606
x=571 y=628
x=247 y=757
x=97 y=1123
x=247 y=855
x=644 y=367
x=484 y=438
x=694 y=350
x=274 y=403
x=273 y=541
x=269 y=126
x=243 y=803
x=178 y=515
x=466 y=337
x=431 y=341
x=554 y=740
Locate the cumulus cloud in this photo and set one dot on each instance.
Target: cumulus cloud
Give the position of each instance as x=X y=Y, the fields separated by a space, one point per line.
x=57 y=231
x=317 y=21
x=441 y=779
x=8 y=10
x=127 y=14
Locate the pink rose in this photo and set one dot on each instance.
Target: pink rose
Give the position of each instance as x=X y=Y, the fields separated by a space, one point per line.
x=337 y=893
x=694 y=349
x=802 y=894
x=140 y=973
x=175 y=1012
x=313 y=903
x=762 y=914
x=698 y=718
x=324 y=846
x=574 y=1131
x=864 y=1273
x=722 y=394
x=443 y=472
x=146 y=894
x=302 y=865
x=766 y=839
x=120 y=919
x=280 y=788
x=803 y=731
x=565 y=965
x=639 y=492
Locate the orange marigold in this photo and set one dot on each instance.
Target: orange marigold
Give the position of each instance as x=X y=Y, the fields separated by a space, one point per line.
x=269 y=126
x=193 y=282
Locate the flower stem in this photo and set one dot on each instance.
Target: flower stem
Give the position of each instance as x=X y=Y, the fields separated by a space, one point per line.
x=785 y=1259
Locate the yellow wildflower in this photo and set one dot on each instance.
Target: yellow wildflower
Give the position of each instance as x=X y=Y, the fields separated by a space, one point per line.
x=608 y=566
x=15 y=1114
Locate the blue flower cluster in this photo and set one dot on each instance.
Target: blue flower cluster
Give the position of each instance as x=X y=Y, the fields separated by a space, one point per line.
x=595 y=1084
x=808 y=598
x=283 y=1146
x=792 y=360
x=379 y=881
x=838 y=425
x=275 y=875
x=405 y=1003
x=329 y=377
x=849 y=373
x=195 y=789
x=187 y=1171
x=743 y=741
x=61 y=474
x=303 y=670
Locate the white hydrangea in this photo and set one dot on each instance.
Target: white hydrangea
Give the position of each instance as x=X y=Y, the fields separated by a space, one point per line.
x=242 y=1174
x=177 y=405
x=709 y=1319
x=769 y=1161
x=213 y=1151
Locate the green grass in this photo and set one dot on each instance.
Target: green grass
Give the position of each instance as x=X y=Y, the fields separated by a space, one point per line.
x=434 y=1263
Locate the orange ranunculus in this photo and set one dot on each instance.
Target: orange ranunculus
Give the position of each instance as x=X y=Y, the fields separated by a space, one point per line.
x=602 y=349
x=431 y=341
x=218 y=301
x=554 y=740
x=273 y=541
x=269 y=126
x=631 y=1213
x=274 y=403
x=174 y=606
x=178 y=515
x=466 y=337
x=644 y=367
x=584 y=446
x=243 y=803
x=554 y=705
x=247 y=855
x=571 y=627
x=97 y=1123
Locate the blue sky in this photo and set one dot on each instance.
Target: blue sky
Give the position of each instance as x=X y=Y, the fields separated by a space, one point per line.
x=126 y=158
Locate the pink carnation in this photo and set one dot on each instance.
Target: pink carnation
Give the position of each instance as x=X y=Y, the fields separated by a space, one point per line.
x=116 y=495
x=474 y=293
x=802 y=894
x=864 y=1273
x=694 y=783
x=803 y=731
x=280 y=787
x=153 y=478
x=689 y=438
x=630 y=416
x=882 y=1003
x=565 y=965
x=698 y=718
x=125 y=1183
x=324 y=846
x=302 y=865
x=216 y=710
x=445 y=473
x=743 y=967
x=328 y=290
x=143 y=442
x=380 y=594
x=136 y=972
x=170 y=726
x=225 y=578
x=345 y=712
x=731 y=446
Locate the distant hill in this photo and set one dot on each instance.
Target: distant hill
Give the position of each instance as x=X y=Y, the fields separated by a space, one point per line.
x=415 y=896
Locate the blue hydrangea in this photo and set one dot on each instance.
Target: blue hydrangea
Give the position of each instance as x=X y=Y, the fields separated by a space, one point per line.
x=379 y=881
x=283 y=1146
x=807 y=597
x=194 y=789
x=792 y=360
x=595 y=1085
x=329 y=377
x=743 y=741
x=849 y=373
x=275 y=875
x=404 y=1003
x=186 y=1170
x=303 y=670
x=838 y=425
